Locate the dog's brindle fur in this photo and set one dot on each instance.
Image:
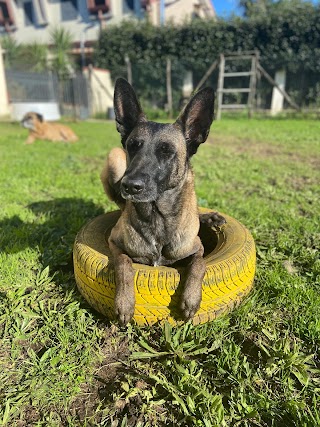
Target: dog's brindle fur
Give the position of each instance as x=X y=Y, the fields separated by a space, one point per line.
x=152 y=182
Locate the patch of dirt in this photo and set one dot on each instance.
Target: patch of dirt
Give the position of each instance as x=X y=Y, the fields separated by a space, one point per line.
x=30 y=417
x=262 y=150
x=289 y=266
x=299 y=183
x=313 y=161
x=245 y=146
x=114 y=350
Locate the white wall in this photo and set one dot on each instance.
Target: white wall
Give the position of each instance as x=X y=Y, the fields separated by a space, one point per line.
x=84 y=26
x=181 y=10
x=4 y=103
x=277 y=97
x=101 y=89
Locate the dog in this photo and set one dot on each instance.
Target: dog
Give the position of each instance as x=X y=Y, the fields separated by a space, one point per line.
x=40 y=129
x=152 y=182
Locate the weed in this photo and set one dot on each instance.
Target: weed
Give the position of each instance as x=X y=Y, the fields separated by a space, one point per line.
x=62 y=364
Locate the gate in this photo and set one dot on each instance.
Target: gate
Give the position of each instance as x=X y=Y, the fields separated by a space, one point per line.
x=74 y=97
x=31 y=87
x=43 y=91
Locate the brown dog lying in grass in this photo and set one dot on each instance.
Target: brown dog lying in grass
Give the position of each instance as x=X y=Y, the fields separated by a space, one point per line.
x=40 y=129
x=151 y=180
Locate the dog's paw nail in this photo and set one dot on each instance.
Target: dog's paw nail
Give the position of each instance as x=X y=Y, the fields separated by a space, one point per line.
x=188 y=309
x=124 y=308
x=189 y=314
x=222 y=221
x=124 y=318
x=213 y=219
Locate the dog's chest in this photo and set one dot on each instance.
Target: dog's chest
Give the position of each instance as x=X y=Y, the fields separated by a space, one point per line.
x=147 y=242
x=157 y=236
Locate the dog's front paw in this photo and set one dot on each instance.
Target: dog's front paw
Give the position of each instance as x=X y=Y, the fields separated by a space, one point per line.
x=124 y=308
x=190 y=303
x=212 y=219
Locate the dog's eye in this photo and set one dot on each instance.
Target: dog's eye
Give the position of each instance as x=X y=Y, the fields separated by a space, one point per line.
x=134 y=145
x=164 y=148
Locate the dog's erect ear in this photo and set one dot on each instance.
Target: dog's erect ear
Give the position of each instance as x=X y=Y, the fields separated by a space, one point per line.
x=40 y=117
x=127 y=108
x=196 y=118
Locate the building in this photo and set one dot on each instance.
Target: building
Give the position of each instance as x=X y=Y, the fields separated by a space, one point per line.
x=32 y=20
x=180 y=11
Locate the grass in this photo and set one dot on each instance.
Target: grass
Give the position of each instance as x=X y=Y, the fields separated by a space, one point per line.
x=61 y=364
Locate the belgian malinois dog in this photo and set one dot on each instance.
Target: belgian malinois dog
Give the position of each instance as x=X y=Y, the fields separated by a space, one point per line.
x=152 y=182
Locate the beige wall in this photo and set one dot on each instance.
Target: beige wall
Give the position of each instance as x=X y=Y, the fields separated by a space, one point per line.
x=179 y=11
x=101 y=89
x=4 y=103
x=277 y=97
x=84 y=27
x=182 y=10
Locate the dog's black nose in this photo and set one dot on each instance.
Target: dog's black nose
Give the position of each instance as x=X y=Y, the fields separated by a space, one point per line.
x=132 y=186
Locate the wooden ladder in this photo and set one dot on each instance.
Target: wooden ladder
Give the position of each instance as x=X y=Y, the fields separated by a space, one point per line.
x=251 y=90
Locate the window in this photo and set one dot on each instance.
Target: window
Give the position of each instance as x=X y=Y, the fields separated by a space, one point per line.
x=41 y=12
x=69 y=10
x=145 y=4
x=94 y=6
x=29 y=18
x=128 y=6
x=34 y=13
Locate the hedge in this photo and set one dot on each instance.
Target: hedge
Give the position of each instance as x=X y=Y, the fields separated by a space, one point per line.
x=285 y=37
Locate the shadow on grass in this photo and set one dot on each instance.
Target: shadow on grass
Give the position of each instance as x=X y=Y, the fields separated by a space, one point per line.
x=52 y=232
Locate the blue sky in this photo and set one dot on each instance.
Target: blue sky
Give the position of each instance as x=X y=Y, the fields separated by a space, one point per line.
x=226 y=7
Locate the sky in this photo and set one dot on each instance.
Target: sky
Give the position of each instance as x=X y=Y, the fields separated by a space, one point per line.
x=224 y=8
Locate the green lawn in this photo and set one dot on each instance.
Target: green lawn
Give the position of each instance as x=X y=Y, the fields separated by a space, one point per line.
x=61 y=364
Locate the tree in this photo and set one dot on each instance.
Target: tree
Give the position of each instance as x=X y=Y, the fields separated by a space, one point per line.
x=254 y=7
x=34 y=56
x=12 y=50
x=60 y=60
x=260 y=8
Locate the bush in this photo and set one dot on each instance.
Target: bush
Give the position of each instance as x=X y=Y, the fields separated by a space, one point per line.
x=286 y=37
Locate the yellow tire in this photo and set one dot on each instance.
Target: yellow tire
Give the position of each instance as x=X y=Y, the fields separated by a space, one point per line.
x=230 y=258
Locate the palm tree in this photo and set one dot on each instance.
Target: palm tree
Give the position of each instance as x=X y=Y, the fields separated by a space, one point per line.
x=34 y=54
x=12 y=50
x=61 y=61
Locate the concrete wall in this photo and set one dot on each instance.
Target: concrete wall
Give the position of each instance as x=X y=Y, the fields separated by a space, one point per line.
x=277 y=97
x=101 y=90
x=83 y=26
x=184 y=10
x=4 y=102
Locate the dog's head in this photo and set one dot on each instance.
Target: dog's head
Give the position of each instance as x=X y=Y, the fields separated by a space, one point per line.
x=158 y=154
x=30 y=120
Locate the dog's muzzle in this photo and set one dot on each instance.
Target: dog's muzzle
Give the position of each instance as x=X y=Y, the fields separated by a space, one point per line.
x=132 y=186
x=26 y=124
